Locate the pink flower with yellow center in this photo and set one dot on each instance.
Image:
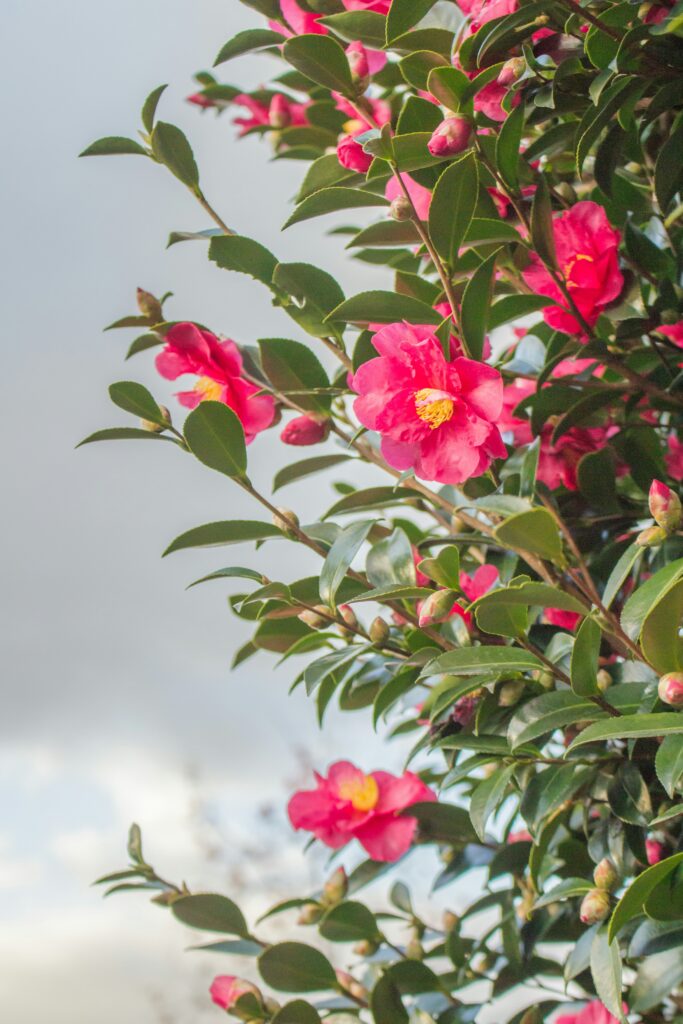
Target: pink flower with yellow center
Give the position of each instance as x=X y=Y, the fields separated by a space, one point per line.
x=586 y=246
x=436 y=416
x=349 y=804
x=218 y=365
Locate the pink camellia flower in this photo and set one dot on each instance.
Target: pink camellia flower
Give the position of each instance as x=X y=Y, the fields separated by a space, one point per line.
x=674 y=457
x=226 y=990
x=200 y=100
x=380 y=6
x=421 y=197
x=655 y=851
x=522 y=836
x=474 y=587
x=218 y=364
x=592 y=1013
x=299 y=22
x=435 y=416
x=451 y=136
x=305 y=430
x=586 y=247
x=380 y=109
x=674 y=333
x=357 y=56
x=349 y=804
x=665 y=506
x=278 y=113
x=563 y=619
x=351 y=155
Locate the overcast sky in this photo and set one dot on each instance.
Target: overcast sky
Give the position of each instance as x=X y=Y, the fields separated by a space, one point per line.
x=117 y=700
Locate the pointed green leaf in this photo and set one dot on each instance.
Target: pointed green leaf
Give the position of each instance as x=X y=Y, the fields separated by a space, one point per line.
x=215 y=436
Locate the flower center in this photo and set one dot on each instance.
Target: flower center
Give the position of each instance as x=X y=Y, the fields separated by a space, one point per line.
x=363 y=793
x=209 y=389
x=433 y=406
x=569 y=267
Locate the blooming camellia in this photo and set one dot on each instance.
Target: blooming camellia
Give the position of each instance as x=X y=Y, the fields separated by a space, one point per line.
x=434 y=416
x=349 y=804
x=586 y=246
x=218 y=365
x=474 y=587
x=592 y=1013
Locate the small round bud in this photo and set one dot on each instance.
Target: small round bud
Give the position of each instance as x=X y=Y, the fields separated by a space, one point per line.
x=452 y=136
x=310 y=913
x=604 y=680
x=379 y=631
x=348 y=984
x=346 y=612
x=157 y=428
x=415 y=950
x=365 y=948
x=357 y=56
x=401 y=208
x=149 y=306
x=449 y=921
x=287 y=521
x=651 y=537
x=315 y=617
x=511 y=71
x=335 y=888
x=655 y=851
x=436 y=608
x=510 y=692
x=605 y=875
x=665 y=506
x=670 y=689
x=594 y=906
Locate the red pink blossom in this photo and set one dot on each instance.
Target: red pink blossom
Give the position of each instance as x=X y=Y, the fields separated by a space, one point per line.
x=586 y=246
x=277 y=113
x=421 y=197
x=437 y=417
x=305 y=430
x=226 y=989
x=592 y=1013
x=674 y=457
x=349 y=804
x=218 y=365
x=561 y=618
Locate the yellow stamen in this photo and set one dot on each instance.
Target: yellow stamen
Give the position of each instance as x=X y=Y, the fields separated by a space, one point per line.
x=363 y=793
x=434 y=407
x=210 y=390
x=569 y=266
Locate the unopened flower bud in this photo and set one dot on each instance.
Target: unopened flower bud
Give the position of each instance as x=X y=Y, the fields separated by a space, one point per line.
x=336 y=887
x=316 y=617
x=348 y=984
x=415 y=950
x=670 y=689
x=305 y=430
x=157 y=428
x=605 y=875
x=379 y=630
x=310 y=913
x=665 y=506
x=511 y=71
x=286 y=520
x=451 y=136
x=594 y=906
x=651 y=537
x=510 y=692
x=604 y=680
x=272 y=1006
x=401 y=208
x=346 y=612
x=149 y=306
x=449 y=921
x=357 y=56
x=365 y=948
x=655 y=851
x=279 y=114
x=436 y=608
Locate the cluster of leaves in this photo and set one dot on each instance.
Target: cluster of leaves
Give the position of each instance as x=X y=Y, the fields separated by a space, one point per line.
x=568 y=738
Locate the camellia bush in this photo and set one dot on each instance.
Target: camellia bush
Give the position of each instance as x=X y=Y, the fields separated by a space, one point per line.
x=509 y=591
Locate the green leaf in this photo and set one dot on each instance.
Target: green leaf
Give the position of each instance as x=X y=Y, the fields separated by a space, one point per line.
x=631 y=727
x=442 y=822
x=659 y=639
x=290 y=366
x=542 y=236
x=658 y=976
x=508 y=147
x=483 y=659
x=328 y=200
x=512 y=307
x=349 y=922
x=339 y=559
x=631 y=903
x=136 y=399
x=211 y=913
x=315 y=294
x=114 y=145
x=391 y=562
x=620 y=573
x=124 y=434
x=215 y=436
x=449 y=85
x=476 y=303
x=307 y=467
x=404 y=14
x=171 y=148
x=384 y=308
x=669 y=169
x=417 y=66
x=366 y=26
x=236 y=252
x=234 y=531
x=444 y=569
x=231 y=572
x=567 y=889
x=144 y=342
x=642 y=601
x=295 y=967
x=628 y=795
x=606 y=971
x=529 y=593
x=149 y=108
x=584 y=659
x=246 y=42
x=370 y=497
x=487 y=796
x=296 y=1012
x=535 y=532
x=386 y=1004
x=322 y=60
x=669 y=763
x=395 y=592
x=453 y=204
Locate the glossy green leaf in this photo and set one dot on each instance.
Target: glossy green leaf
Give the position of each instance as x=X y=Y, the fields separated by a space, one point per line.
x=114 y=145
x=631 y=727
x=296 y=1012
x=329 y=200
x=642 y=601
x=384 y=308
x=295 y=967
x=349 y=922
x=444 y=567
x=236 y=252
x=124 y=434
x=476 y=304
x=508 y=146
x=483 y=659
x=620 y=573
x=487 y=797
x=631 y=903
x=449 y=85
x=395 y=592
x=542 y=236
x=453 y=205
x=404 y=14
x=605 y=966
x=149 y=107
x=367 y=27
x=321 y=59
x=391 y=561
x=535 y=532
x=211 y=535
x=669 y=763
x=215 y=436
x=211 y=913
x=171 y=148
x=659 y=639
x=628 y=796
x=292 y=368
x=339 y=559
x=306 y=467
x=246 y=42
x=584 y=659
x=386 y=1004
x=136 y=399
